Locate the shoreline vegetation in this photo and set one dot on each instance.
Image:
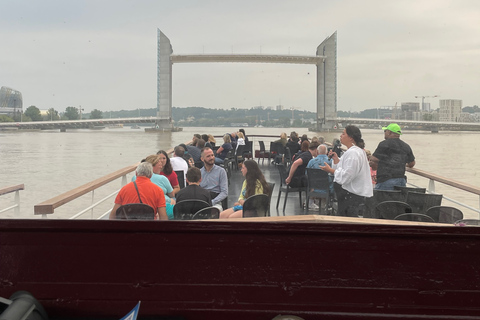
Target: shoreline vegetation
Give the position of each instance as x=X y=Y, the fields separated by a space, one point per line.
x=205 y=117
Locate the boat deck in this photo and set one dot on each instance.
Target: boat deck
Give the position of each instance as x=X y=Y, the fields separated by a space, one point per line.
x=272 y=175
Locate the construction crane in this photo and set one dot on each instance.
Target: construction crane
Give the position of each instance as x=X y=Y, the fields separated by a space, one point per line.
x=423 y=99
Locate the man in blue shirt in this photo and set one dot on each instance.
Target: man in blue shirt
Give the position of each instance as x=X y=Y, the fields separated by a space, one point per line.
x=318 y=161
x=214 y=179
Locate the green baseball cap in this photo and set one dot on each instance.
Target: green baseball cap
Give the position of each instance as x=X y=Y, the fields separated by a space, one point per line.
x=395 y=128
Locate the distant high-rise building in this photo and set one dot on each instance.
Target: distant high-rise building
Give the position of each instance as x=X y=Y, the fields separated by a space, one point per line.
x=450 y=110
x=10 y=101
x=408 y=108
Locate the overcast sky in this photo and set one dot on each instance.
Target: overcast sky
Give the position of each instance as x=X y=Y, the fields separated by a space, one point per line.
x=102 y=54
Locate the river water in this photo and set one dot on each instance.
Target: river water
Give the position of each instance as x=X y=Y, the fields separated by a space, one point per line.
x=50 y=162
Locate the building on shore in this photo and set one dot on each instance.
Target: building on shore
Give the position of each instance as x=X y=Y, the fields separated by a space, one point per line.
x=450 y=110
x=11 y=101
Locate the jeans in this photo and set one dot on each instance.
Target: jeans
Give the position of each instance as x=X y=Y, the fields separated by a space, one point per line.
x=218 y=161
x=390 y=183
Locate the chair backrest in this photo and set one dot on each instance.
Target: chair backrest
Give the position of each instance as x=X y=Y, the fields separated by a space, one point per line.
x=248 y=147
x=181 y=178
x=318 y=180
x=391 y=209
x=256 y=206
x=207 y=213
x=288 y=155
x=184 y=210
x=239 y=151
x=388 y=195
x=444 y=214
x=405 y=190
x=262 y=146
x=135 y=211
x=283 y=173
x=421 y=202
x=414 y=217
x=271 y=186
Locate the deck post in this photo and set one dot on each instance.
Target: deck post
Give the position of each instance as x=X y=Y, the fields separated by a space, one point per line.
x=431 y=186
x=17 y=203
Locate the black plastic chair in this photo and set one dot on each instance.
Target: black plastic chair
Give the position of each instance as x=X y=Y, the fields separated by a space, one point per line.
x=248 y=150
x=135 y=211
x=378 y=197
x=444 y=214
x=391 y=209
x=286 y=188
x=207 y=213
x=239 y=155
x=184 y=210
x=256 y=206
x=421 y=202
x=319 y=181
x=468 y=222
x=287 y=157
x=181 y=178
x=405 y=190
x=262 y=153
x=270 y=193
x=417 y=217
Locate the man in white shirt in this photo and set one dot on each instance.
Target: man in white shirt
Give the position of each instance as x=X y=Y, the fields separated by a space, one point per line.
x=177 y=161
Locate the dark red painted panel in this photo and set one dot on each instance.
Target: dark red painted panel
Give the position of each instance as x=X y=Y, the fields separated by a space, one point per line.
x=234 y=269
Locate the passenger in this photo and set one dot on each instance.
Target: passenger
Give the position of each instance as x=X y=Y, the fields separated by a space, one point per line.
x=167 y=170
x=244 y=135
x=214 y=178
x=161 y=181
x=207 y=143
x=233 y=140
x=193 y=191
x=187 y=156
x=373 y=173
x=253 y=184
x=352 y=182
x=296 y=177
x=315 y=163
x=321 y=140
x=240 y=140
x=292 y=143
x=303 y=148
x=148 y=193
x=337 y=147
x=282 y=140
x=178 y=162
x=390 y=158
x=193 y=150
x=212 y=140
x=303 y=138
x=223 y=150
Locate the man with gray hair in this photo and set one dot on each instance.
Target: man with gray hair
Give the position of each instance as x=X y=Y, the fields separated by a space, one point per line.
x=318 y=161
x=142 y=190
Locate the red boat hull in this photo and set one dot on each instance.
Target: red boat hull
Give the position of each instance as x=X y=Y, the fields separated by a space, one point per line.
x=235 y=270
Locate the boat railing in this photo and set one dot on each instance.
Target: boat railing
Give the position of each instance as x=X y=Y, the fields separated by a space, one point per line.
x=10 y=189
x=48 y=207
x=432 y=178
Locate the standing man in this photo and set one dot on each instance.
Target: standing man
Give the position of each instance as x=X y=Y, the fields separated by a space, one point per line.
x=390 y=159
x=214 y=178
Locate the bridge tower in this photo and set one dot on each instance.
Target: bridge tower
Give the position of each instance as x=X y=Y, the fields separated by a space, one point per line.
x=325 y=61
x=164 y=82
x=327 y=84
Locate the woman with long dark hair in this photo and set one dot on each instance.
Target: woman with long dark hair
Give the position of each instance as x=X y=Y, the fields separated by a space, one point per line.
x=351 y=172
x=254 y=183
x=167 y=170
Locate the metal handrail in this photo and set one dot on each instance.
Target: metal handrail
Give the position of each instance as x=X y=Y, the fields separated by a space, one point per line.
x=16 y=189
x=48 y=207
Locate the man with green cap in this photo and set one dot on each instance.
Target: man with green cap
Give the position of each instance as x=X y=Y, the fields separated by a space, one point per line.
x=390 y=159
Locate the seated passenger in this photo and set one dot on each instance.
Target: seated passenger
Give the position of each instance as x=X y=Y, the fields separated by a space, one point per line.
x=193 y=191
x=223 y=150
x=148 y=193
x=254 y=184
x=167 y=170
x=161 y=181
